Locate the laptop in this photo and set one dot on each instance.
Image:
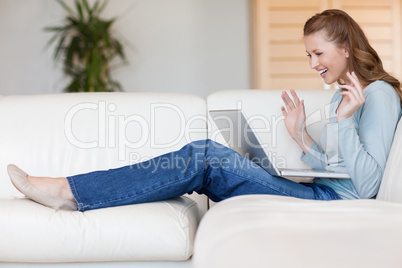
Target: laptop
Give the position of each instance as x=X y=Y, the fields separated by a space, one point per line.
x=239 y=135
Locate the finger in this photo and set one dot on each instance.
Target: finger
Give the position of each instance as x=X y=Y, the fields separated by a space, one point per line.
x=295 y=97
x=284 y=111
x=354 y=80
x=357 y=97
x=356 y=83
x=347 y=87
x=354 y=75
x=288 y=101
x=350 y=98
x=352 y=90
x=284 y=101
x=350 y=95
x=359 y=84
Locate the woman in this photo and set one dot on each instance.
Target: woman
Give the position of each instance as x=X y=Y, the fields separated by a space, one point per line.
x=363 y=117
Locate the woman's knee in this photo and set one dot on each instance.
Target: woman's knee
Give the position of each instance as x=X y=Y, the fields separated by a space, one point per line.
x=208 y=148
x=206 y=144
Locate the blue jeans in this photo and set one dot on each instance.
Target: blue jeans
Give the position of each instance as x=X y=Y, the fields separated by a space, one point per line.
x=203 y=166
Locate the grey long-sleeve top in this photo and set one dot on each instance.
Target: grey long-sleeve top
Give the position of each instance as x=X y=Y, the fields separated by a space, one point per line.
x=358 y=145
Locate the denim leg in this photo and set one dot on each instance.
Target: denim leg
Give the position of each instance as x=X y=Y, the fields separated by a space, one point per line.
x=228 y=174
x=203 y=166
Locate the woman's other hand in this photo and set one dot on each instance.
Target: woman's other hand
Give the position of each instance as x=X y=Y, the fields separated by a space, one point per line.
x=295 y=119
x=353 y=98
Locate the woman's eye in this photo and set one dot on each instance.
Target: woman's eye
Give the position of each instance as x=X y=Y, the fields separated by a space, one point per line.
x=308 y=55
x=318 y=54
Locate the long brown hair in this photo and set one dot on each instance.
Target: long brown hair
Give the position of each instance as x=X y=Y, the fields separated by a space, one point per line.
x=340 y=28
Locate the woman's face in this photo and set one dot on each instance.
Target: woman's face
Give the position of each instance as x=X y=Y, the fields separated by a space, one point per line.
x=328 y=59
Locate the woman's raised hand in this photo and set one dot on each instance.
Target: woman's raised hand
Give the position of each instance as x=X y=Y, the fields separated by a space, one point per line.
x=353 y=98
x=295 y=116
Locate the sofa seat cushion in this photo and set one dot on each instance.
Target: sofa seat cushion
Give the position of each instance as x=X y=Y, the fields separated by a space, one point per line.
x=271 y=231
x=156 y=231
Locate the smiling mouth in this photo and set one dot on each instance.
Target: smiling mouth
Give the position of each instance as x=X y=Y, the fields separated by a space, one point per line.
x=323 y=71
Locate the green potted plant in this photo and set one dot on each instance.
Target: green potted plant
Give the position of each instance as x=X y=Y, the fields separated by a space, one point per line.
x=87 y=46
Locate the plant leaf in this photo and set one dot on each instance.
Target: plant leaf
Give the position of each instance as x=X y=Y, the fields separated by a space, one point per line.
x=79 y=9
x=66 y=7
x=59 y=48
x=95 y=7
x=87 y=8
x=55 y=29
x=101 y=8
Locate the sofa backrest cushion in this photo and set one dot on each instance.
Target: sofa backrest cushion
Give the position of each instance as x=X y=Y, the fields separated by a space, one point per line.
x=263 y=109
x=67 y=134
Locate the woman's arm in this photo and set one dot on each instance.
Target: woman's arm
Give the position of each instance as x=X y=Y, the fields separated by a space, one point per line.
x=315 y=157
x=295 y=122
x=365 y=149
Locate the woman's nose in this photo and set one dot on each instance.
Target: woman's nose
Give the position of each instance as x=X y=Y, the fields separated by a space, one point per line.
x=314 y=63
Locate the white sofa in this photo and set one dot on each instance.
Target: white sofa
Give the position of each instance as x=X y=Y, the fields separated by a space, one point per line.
x=282 y=232
x=67 y=134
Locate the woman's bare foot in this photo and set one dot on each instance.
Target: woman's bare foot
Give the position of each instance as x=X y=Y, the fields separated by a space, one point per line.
x=53 y=186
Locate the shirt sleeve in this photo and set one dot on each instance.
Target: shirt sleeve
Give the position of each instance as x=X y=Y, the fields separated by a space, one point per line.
x=365 y=148
x=315 y=157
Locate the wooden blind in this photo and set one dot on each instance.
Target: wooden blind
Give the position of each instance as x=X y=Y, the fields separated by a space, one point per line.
x=279 y=55
x=381 y=22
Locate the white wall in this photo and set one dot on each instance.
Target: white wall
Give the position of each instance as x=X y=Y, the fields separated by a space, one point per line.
x=25 y=67
x=194 y=46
